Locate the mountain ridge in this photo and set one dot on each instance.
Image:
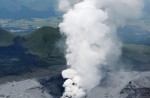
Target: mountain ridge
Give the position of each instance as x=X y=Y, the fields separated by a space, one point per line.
x=39 y=50
x=28 y=52
x=41 y=42
x=6 y=38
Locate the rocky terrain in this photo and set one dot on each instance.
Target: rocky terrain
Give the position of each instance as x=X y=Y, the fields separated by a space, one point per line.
x=114 y=85
x=123 y=85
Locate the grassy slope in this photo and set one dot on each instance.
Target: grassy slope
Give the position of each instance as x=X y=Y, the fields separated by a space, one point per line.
x=6 y=38
x=43 y=41
x=143 y=49
x=136 y=56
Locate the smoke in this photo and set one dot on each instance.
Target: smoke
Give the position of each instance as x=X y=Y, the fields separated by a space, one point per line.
x=65 y=5
x=91 y=30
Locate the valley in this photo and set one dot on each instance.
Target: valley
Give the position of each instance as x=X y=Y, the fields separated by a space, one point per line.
x=25 y=53
x=21 y=54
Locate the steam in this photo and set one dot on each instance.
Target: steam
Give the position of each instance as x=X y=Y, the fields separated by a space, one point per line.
x=64 y=5
x=91 y=30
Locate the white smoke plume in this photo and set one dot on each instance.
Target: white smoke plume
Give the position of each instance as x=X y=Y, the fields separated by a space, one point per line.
x=91 y=30
x=64 y=5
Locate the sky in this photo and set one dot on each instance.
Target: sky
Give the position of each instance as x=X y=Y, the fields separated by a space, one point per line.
x=38 y=5
x=28 y=8
x=18 y=9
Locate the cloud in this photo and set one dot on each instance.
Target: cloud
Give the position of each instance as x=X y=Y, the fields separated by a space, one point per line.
x=65 y=5
x=92 y=42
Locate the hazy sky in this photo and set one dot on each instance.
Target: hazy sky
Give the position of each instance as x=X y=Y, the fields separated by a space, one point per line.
x=38 y=8
x=39 y=5
x=18 y=9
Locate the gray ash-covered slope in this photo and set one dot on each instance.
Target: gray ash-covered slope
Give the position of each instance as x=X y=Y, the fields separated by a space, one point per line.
x=132 y=91
x=123 y=85
x=138 y=87
x=113 y=85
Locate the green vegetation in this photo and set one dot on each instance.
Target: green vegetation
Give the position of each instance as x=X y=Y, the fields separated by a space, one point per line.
x=6 y=38
x=141 y=49
x=43 y=41
x=29 y=52
x=24 y=53
x=136 y=57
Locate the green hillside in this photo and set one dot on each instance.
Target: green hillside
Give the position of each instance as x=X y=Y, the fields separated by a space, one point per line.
x=141 y=49
x=6 y=38
x=30 y=52
x=136 y=57
x=24 y=53
x=43 y=41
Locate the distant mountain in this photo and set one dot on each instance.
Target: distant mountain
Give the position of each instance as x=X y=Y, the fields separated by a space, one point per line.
x=6 y=38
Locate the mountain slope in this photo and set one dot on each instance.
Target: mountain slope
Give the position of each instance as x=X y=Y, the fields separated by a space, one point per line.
x=23 y=89
x=29 y=52
x=123 y=84
x=6 y=38
x=136 y=57
x=43 y=41
x=39 y=50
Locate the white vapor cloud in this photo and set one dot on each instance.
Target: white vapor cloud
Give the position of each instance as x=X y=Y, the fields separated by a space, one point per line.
x=91 y=30
x=64 y=5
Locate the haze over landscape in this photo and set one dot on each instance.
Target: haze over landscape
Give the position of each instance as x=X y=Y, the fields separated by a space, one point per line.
x=108 y=55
